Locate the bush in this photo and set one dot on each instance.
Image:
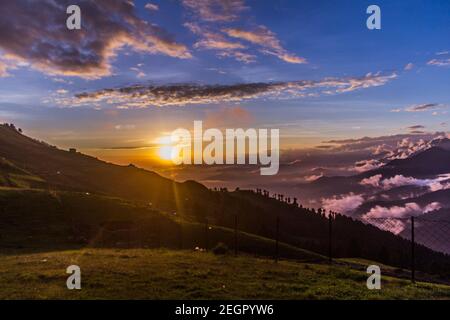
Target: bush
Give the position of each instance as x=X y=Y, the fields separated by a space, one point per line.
x=220 y=249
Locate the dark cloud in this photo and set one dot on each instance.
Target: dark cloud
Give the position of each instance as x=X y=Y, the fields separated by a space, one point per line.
x=35 y=32
x=416 y=127
x=421 y=107
x=216 y=10
x=141 y=96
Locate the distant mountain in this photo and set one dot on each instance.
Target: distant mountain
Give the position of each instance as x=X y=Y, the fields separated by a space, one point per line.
x=426 y=164
x=416 y=170
x=433 y=161
x=443 y=143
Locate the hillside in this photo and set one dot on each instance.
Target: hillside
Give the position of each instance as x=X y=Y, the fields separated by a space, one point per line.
x=37 y=220
x=189 y=202
x=163 y=274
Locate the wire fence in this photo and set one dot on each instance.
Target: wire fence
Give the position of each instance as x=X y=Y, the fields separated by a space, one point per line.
x=410 y=244
x=422 y=237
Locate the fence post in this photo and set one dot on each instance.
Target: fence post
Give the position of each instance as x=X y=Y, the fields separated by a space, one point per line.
x=277 y=235
x=236 y=235
x=413 y=258
x=330 y=239
x=180 y=236
x=206 y=234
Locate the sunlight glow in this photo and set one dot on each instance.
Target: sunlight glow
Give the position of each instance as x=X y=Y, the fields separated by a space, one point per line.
x=165 y=149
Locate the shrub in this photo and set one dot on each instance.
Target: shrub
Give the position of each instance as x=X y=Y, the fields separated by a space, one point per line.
x=220 y=249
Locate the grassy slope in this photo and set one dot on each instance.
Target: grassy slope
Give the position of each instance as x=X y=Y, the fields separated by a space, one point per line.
x=13 y=176
x=39 y=220
x=164 y=274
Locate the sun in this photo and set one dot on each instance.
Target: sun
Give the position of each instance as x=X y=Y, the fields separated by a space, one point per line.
x=165 y=149
x=165 y=152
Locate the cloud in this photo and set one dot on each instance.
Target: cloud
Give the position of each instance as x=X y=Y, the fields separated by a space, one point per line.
x=217 y=41
x=35 y=32
x=381 y=149
x=367 y=165
x=152 y=7
x=409 y=66
x=439 y=62
x=62 y=91
x=216 y=10
x=440 y=182
x=313 y=177
x=140 y=96
x=228 y=116
x=416 y=127
x=125 y=126
x=3 y=69
x=238 y=55
x=387 y=148
x=214 y=41
x=421 y=107
x=390 y=215
x=343 y=204
x=373 y=181
x=424 y=107
x=400 y=180
x=139 y=73
x=225 y=11
x=267 y=40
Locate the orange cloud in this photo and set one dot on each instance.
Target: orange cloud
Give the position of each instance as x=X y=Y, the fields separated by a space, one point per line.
x=215 y=41
x=266 y=39
x=228 y=115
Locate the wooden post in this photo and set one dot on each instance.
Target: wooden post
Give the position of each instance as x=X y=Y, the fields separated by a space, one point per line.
x=235 y=235
x=206 y=234
x=277 y=236
x=180 y=236
x=413 y=258
x=330 y=240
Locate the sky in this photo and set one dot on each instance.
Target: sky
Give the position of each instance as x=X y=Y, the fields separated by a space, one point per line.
x=139 y=69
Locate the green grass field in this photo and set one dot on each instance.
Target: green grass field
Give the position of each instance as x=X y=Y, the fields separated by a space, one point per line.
x=170 y=274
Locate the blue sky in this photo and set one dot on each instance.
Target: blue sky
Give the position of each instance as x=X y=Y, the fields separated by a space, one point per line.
x=301 y=41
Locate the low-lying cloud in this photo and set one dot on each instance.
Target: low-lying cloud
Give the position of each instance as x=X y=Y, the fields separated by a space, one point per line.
x=441 y=182
x=343 y=204
x=388 y=218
